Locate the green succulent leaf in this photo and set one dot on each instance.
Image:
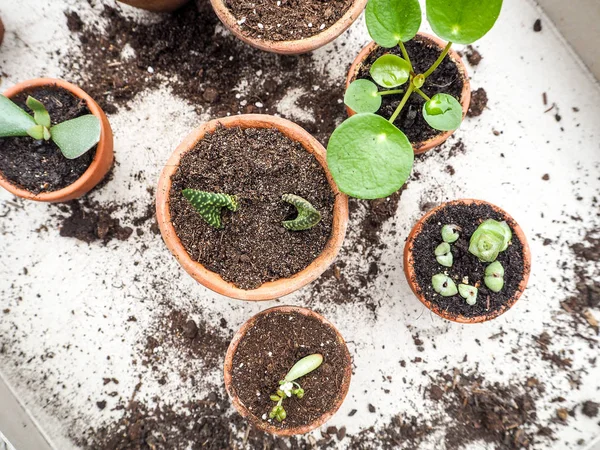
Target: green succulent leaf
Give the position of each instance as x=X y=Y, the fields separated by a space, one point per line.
x=36 y=132
x=494 y=276
x=450 y=233
x=494 y=284
x=76 y=136
x=392 y=21
x=445 y=260
x=40 y=114
x=390 y=71
x=210 y=204
x=462 y=21
x=14 y=121
x=489 y=239
x=275 y=398
x=443 y=112
x=361 y=96
x=444 y=285
x=469 y=293
x=442 y=249
x=307 y=217
x=304 y=366
x=369 y=157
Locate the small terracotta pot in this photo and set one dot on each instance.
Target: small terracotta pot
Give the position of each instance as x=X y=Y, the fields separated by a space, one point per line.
x=212 y=280
x=296 y=47
x=411 y=277
x=99 y=167
x=1 y=31
x=263 y=424
x=465 y=100
x=156 y=5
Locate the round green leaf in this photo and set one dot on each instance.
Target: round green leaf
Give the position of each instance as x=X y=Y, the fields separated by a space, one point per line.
x=392 y=21
x=443 y=112
x=361 y=96
x=369 y=157
x=390 y=71
x=462 y=21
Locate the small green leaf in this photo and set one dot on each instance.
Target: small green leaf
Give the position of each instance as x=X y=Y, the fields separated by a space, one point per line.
x=14 y=121
x=444 y=285
x=281 y=415
x=275 y=398
x=392 y=21
x=450 y=233
x=489 y=239
x=210 y=204
x=47 y=134
x=304 y=366
x=369 y=157
x=361 y=96
x=443 y=112
x=390 y=71
x=36 y=132
x=445 y=260
x=494 y=284
x=462 y=21
x=76 y=136
x=307 y=217
x=40 y=114
x=469 y=293
x=495 y=269
x=442 y=249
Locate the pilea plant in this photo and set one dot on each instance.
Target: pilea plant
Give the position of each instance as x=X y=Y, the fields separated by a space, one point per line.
x=73 y=137
x=288 y=386
x=368 y=156
x=489 y=239
x=210 y=205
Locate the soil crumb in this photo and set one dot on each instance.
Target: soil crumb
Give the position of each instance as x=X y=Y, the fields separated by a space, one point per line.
x=537 y=25
x=479 y=100
x=473 y=56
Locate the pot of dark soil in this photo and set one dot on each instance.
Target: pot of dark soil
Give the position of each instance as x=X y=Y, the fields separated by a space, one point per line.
x=156 y=5
x=287 y=370
x=55 y=141
x=286 y=27
x=467 y=260
x=247 y=206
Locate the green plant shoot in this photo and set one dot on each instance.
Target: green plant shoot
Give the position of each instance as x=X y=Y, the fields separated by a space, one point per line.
x=366 y=157
x=450 y=233
x=489 y=239
x=73 y=137
x=443 y=255
x=494 y=276
x=469 y=293
x=444 y=285
x=288 y=386
x=307 y=216
x=210 y=204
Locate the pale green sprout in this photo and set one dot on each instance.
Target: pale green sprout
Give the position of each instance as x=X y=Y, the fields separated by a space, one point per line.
x=450 y=233
x=307 y=217
x=489 y=239
x=443 y=255
x=289 y=387
x=469 y=293
x=494 y=277
x=444 y=285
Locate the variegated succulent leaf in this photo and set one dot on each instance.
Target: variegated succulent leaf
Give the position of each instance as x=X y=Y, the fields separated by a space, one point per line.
x=210 y=204
x=307 y=217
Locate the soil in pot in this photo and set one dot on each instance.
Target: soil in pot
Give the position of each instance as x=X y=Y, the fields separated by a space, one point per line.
x=258 y=166
x=446 y=78
x=39 y=166
x=269 y=350
x=468 y=217
x=288 y=20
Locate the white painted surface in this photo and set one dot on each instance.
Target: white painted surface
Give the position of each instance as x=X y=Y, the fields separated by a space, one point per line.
x=81 y=320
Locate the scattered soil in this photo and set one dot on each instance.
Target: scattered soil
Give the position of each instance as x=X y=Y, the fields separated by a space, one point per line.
x=590 y=408
x=537 y=25
x=263 y=358
x=39 y=166
x=468 y=217
x=446 y=78
x=473 y=56
x=258 y=166
x=287 y=20
x=478 y=103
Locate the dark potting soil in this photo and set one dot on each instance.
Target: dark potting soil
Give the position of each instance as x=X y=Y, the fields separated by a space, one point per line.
x=479 y=100
x=39 y=166
x=269 y=350
x=445 y=79
x=468 y=217
x=258 y=166
x=287 y=20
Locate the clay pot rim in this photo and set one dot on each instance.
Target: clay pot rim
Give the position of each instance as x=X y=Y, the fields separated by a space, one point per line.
x=293 y=47
x=465 y=99
x=411 y=276
x=258 y=422
x=103 y=149
x=272 y=289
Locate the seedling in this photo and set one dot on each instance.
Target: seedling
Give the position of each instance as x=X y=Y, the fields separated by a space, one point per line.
x=73 y=137
x=489 y=239
x=469 y=293
x=443 y=255
x=444 y=285
x=368 y=156
x=288 y=386
x=210 y=204
x=307 y=216
x=494 y=276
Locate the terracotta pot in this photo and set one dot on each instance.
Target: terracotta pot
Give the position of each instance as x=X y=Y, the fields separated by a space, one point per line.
x=296 y=47
x=99 y=167
x=465 y=100
x=212 y=280
x=411 y=277
x=156 y=5
x=263 y=424
x=1 y=31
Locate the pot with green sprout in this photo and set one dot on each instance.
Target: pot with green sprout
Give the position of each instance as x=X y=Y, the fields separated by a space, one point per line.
x=467 y=260
x=407 y=92
x=287 y=370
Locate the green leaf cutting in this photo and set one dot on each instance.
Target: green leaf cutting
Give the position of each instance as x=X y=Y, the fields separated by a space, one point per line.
x=307 y=217
x=210 y=204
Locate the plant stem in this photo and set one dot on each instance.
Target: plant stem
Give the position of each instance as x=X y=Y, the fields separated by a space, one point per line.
x=390 y=92
x=422 y=94
x=402 y=103
x=405 y=54
x=438 y=61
